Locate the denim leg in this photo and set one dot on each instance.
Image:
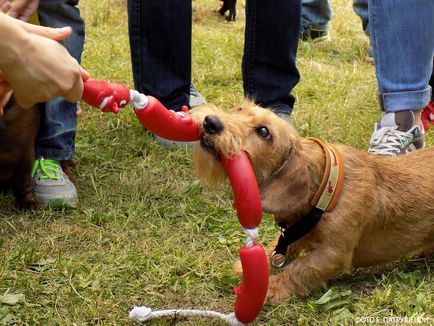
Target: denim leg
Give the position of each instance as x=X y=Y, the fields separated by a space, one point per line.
x=271 y=40
x=56 y=137
x=361 y=9
x=402 y=34
x=315 y=14
x=160 y=42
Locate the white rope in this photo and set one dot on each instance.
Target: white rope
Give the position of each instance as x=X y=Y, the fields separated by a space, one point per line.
x=138 y=100
x=252 y=236
x=141 y=314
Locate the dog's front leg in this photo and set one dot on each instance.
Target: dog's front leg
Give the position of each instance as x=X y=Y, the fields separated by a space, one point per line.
x=304 y=273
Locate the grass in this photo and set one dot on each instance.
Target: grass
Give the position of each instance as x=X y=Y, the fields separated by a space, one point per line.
x=147 y=232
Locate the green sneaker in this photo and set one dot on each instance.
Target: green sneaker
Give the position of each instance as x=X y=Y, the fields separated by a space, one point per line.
x=51 y=186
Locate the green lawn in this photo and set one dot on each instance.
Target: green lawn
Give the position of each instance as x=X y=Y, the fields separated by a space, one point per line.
x=148 y=232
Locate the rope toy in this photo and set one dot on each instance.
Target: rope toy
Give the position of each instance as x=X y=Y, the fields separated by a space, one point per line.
x=180 y=126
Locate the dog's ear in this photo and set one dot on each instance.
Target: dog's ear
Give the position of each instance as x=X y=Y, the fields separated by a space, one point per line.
x=288 y=189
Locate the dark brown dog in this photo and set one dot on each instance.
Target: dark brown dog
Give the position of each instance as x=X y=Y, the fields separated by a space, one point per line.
x=231 y=6
x=18 y=128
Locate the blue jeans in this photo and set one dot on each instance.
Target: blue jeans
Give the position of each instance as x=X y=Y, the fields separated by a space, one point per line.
x=56 y=137
x=160 y=41
x=316 y=14
x=402 y=35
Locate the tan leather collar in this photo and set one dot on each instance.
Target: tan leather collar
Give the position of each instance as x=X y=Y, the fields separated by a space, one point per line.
x=332 y=182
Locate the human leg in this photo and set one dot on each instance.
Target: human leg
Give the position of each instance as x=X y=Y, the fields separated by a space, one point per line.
x=268 y=68
x=402 y=71
x=160 y=42
x=56 y=138
x=315 y=17
x=361 y=9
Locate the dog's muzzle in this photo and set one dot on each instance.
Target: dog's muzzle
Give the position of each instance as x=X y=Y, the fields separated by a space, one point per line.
x=212 y=125
x=208 y=146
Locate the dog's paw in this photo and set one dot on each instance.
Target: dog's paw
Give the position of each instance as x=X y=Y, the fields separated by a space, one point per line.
x=277 y=289
x=26 y=202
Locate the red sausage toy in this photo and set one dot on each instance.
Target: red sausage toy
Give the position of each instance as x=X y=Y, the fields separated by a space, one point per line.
x=180 y=126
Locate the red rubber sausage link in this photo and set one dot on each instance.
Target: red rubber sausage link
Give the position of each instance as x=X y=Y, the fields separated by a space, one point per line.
x=252 y=291
x=177 y=126
x=112 y=95
x=180 y=126
x=246 y=192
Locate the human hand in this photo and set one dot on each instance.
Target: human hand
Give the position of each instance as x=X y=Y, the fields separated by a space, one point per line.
x=5 y=5
x=23 y=9
x=42 y=68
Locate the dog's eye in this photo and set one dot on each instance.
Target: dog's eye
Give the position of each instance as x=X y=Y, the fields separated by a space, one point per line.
x=263 y=132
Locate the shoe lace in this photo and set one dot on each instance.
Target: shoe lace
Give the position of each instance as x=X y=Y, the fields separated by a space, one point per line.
x=389 y=140
x=48 y=169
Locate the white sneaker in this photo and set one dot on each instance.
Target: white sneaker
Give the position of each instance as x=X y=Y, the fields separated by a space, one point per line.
x=51 y=186
x=397 y=133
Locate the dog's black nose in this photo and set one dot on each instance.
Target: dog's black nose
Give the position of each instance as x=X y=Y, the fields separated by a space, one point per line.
x=212 y=124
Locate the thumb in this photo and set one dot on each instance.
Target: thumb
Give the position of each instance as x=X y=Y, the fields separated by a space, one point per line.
x=84 y=74
x=57 y=34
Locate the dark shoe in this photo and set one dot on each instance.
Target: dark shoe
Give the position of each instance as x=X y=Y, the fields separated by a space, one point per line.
x=397 y=133
x=316 y=36
x=286 y=116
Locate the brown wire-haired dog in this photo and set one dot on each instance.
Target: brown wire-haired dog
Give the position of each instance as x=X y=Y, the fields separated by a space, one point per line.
x=385 y=209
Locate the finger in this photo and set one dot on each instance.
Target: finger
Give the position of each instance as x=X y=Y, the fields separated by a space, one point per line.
x=23 y=9
x=75 y=94
x=24 y=14
x=79 y=110
x=5 y=6
x=57 y=34
x=84 y=74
